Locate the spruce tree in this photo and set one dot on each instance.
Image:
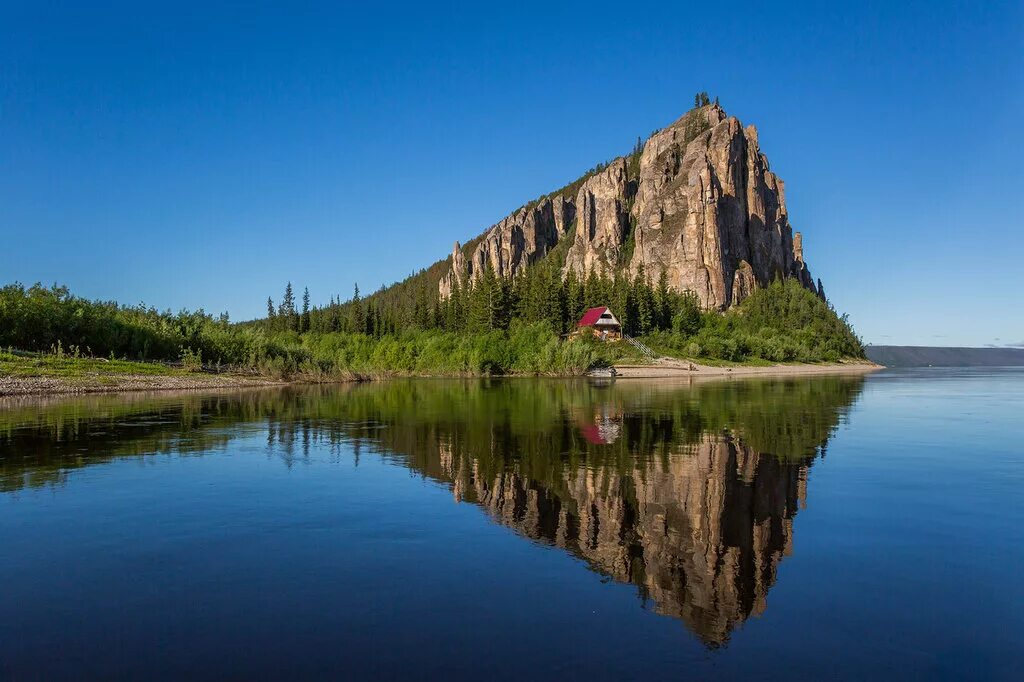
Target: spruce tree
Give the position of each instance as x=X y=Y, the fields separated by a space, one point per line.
x=357 y=320
x=304 y=326
x=287 y=309
x=644 y=304
x=333 y=318
x=270 y=314
x=663 y=299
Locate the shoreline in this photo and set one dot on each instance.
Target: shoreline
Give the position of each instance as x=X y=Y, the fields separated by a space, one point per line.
x=43 y=385
x=682 y=369
x=127 y=383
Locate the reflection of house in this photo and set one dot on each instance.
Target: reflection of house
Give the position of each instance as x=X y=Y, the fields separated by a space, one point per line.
x=601 y=323
x=604 y=427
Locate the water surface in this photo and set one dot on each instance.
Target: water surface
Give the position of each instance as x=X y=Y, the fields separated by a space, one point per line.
x=523 y=529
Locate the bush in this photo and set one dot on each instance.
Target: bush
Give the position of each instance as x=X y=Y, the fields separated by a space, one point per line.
x=783 y=322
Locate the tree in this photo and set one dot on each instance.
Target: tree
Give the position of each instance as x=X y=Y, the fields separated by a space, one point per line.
x=333 y=318
x=687 y=318
x=357 y=320
x=643 y=304
x=574 y=298
x=270 y=314
x=663 y=302
x=304 y=326
x=287 y=309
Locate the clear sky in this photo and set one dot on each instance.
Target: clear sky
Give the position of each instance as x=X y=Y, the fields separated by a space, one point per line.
x=192 y=156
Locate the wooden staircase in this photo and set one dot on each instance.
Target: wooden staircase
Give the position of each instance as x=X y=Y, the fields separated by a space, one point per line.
x=640 y=346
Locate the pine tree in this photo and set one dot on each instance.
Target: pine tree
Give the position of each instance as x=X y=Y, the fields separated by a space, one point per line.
x=287 y=309
x=333 y=318
x=270 y=314
x=643 y=302
x=357 y=320
x=663 y=302
x=687 y=318
x=574 y=298
x=304 y=326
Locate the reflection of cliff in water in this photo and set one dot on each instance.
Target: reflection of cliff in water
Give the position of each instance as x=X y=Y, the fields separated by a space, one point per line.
x=701 y=534
x=687 y=492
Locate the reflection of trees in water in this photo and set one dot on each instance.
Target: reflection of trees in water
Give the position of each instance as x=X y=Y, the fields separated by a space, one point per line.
x=687 y=492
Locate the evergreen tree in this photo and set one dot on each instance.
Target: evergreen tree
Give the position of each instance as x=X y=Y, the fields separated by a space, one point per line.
x=304 y=326
x=270 y=314
x=287 y=309
x=643 y=303
x=574 y=298
x=663 y=302
x=357 y=320
x=687 y=318
x=488 y=302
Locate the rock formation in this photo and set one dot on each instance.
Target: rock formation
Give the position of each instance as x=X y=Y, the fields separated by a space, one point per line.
x=698 y=203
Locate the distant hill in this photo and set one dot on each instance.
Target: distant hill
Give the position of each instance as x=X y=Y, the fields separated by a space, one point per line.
x=929 y=356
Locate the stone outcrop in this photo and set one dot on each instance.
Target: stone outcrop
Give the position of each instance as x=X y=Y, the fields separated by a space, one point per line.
x=698 y=203
x=522 y=238
x=602 y=221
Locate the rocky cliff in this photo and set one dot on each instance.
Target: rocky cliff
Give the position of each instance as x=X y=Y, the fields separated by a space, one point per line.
x=697 y=202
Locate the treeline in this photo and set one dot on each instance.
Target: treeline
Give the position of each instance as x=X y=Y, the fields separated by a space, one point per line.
x=494 y=303
x=52 y=320
x=497 y=325
x=783 y=322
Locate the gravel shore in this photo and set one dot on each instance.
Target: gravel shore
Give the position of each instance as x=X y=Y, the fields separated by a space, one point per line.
x=19 y=385
x=665 y=368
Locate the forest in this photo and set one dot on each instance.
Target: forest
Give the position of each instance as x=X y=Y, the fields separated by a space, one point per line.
x=499 y=325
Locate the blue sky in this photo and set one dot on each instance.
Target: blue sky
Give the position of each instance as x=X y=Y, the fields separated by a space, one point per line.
x=197 y=156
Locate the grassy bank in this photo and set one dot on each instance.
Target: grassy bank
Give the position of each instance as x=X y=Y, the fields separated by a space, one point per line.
x=530 y=350
x=71 y=367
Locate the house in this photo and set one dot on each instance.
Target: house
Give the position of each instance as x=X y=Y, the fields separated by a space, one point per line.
x=601 y=324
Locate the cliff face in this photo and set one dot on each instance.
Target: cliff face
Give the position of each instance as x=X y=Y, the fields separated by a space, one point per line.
x=698 y=203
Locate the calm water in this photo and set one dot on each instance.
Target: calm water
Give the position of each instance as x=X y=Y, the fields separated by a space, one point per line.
x=839 y=527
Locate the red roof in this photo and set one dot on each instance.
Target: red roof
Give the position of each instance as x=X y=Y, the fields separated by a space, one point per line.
x=591 y=317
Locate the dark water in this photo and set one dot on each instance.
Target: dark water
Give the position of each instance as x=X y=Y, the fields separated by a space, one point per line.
x=806 y=528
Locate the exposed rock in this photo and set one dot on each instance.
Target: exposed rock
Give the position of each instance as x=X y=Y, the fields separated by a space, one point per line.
x=709 y=212
x=457 y=274
x=702 y=206
x=601 y=222
x=743 y=282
